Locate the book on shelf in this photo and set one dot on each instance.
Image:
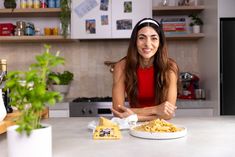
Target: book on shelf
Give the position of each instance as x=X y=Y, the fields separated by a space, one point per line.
x=174 y=25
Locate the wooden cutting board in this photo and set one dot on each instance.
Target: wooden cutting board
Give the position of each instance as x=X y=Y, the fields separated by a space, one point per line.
x=9 y=119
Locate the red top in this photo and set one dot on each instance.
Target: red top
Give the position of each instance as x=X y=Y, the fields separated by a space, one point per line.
x=145 y=96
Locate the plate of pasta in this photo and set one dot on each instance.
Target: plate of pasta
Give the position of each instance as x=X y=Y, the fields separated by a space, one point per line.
x=158 y=129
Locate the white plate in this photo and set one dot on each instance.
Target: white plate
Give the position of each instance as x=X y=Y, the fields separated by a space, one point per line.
x=160 y=135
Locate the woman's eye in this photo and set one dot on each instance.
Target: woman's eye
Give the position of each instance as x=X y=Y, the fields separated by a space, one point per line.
x=154 y=39
x=140 y=37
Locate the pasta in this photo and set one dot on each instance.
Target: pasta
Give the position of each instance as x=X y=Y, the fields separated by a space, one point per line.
x=158 y=125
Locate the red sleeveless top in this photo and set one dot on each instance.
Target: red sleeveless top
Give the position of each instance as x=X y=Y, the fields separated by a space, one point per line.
x=145 y=97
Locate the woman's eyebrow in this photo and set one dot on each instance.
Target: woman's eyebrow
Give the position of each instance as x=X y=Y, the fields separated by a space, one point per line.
x=153 y=35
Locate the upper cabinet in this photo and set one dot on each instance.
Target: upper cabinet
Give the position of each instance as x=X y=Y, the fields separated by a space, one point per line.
x=113 y=19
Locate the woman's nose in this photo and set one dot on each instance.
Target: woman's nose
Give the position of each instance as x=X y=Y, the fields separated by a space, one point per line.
x=148 y=42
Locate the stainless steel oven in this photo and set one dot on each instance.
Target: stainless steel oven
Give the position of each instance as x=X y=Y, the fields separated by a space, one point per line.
x=91 y=107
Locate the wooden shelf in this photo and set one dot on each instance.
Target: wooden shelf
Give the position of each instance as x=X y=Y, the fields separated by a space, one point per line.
x=40 y=12
x=185 y=36
x=177 y=10
x=51 y=38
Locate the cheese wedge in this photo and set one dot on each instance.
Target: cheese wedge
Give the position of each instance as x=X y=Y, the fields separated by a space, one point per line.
x=106 y=122
x=106 y=130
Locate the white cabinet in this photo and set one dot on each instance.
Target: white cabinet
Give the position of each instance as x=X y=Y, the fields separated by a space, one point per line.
x=93 y=19
x=59 y=110
x=194 y=112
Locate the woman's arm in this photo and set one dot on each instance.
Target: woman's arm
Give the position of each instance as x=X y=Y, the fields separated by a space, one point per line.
x=166 y=109
x=118 y=90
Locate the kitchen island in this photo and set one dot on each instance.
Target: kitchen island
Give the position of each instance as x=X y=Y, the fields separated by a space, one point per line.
x=206 y=137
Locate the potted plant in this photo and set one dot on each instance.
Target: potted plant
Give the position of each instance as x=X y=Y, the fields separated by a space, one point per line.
x=10 y=4
x=65 y=16
x=30 y=96
x=195 y=23
x=60 y=82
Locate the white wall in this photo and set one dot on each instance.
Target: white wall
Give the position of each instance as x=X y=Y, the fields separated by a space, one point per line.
x=226 y=8
x=208 y=54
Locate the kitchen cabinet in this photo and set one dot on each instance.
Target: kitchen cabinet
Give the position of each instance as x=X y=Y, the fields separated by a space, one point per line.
x=59 y=110
x=179 y=11
x=112 y=19
x=42 y=17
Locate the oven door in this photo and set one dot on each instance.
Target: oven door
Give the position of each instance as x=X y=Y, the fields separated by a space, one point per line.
x=90 y=109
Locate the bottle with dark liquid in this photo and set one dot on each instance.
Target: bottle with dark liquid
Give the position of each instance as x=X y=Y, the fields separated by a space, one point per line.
x=5 y=91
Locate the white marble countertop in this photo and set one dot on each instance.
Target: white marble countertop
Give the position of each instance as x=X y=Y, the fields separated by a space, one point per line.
x=207 y=137
x=181 y=104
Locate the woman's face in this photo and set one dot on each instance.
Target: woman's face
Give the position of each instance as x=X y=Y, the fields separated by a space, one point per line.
x=147 y=42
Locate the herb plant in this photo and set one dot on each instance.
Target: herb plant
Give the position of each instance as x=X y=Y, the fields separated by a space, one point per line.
x=65 y=16
x=29 y=92
x=60 y=78
x=195 y=20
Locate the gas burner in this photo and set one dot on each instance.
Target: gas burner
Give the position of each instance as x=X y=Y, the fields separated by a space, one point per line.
x=93 y=99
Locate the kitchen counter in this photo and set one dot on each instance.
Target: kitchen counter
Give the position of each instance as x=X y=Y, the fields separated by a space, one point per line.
x=207 y=136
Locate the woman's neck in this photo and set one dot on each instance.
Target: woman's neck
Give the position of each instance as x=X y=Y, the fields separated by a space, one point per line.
x=146 y=63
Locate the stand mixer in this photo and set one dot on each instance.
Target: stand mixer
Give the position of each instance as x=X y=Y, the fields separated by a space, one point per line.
x=189 y=82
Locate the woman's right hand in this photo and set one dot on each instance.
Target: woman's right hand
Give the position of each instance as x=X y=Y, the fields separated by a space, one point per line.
x=165 y=109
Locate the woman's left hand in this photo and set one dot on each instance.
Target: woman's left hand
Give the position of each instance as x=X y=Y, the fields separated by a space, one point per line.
x=125 y=112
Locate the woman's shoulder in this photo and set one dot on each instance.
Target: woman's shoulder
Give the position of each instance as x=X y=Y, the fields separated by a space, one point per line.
x=120 y=65
x=172 y=64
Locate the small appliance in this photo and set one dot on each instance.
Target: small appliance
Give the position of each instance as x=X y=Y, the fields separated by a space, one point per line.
x=189 y=83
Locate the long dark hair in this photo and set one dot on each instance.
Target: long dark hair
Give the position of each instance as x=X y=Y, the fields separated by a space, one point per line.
x=162 y=64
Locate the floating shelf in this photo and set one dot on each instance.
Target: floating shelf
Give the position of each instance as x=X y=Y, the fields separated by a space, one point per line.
x=194 y=36
x=28 y=12
x=177 y=10
x=51 y=38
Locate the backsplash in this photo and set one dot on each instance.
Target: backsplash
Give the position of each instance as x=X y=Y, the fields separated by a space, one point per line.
x=86 y=60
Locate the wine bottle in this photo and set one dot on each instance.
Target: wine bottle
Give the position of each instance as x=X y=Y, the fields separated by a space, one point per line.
x=5 y=91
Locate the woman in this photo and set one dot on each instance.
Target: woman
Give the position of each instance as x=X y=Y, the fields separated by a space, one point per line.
x=146 y=75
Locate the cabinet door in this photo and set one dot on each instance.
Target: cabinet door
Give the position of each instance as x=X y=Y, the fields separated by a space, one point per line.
x=103 y=16
x=125 y=14
x=91 y=19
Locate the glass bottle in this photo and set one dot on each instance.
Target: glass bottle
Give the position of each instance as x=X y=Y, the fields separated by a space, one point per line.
x=5 y=91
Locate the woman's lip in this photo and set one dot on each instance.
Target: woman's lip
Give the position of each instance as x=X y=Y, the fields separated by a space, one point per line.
x=146 y=50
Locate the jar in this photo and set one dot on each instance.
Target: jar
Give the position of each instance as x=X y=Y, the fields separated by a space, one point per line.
x=29 y=4
x=51 y=3
x=57 y=3
x=36 y=4
x=19 y=32
x=20 y=24
x=29 y=29
x=43 y=3
x=23 y=4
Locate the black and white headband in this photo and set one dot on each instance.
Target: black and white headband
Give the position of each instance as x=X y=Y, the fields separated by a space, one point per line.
x=149 y=21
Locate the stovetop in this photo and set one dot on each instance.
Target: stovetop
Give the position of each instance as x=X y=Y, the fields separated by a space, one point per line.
x=93 y=99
